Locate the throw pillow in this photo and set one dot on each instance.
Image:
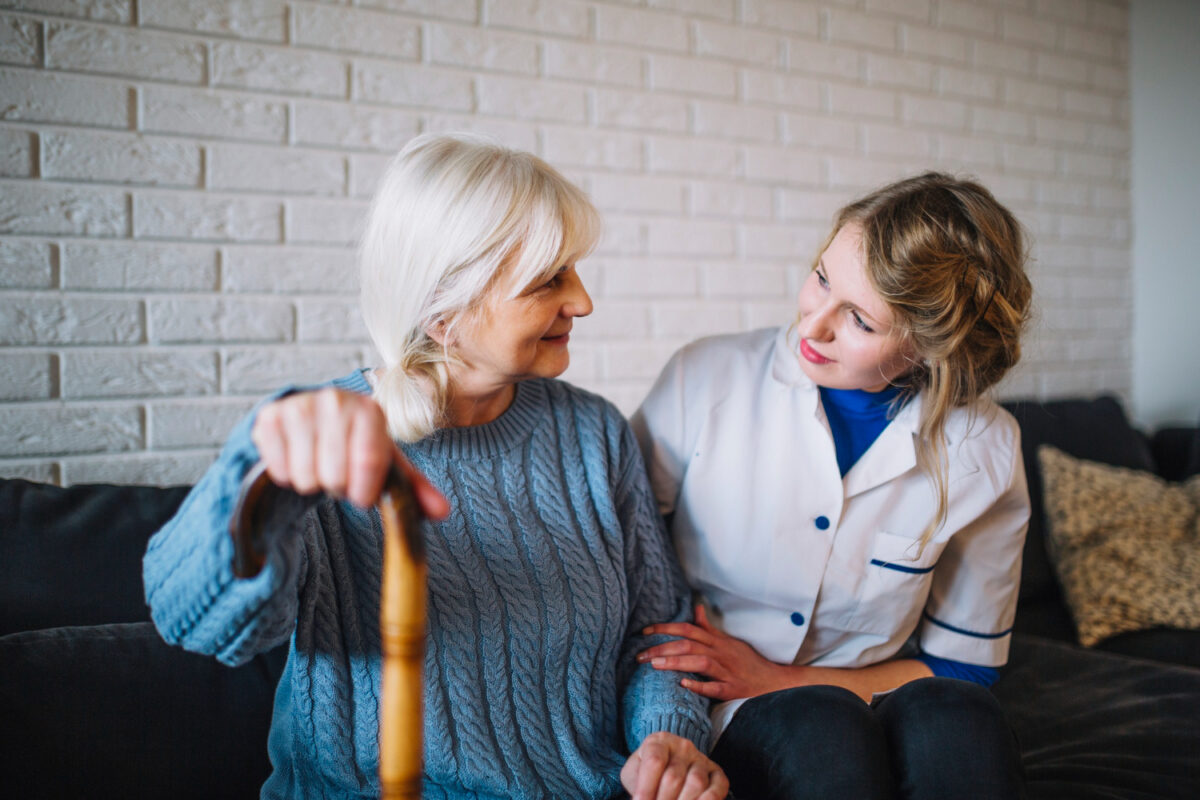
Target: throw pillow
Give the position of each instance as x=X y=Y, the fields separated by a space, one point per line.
x=1125 y=545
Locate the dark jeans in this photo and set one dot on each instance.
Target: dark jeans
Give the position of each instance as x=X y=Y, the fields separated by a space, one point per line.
x=931 y=738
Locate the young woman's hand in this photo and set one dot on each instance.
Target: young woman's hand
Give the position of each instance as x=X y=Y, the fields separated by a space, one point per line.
x=334 y=441
x=733 y=668
x=669 y=767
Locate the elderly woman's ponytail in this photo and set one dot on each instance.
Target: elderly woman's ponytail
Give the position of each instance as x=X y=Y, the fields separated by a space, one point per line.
x=412 y=393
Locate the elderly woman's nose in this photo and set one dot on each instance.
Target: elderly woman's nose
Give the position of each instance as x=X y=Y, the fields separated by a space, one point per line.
x=578 y=302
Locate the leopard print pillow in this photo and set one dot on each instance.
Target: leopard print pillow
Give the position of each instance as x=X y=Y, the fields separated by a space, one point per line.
x=1125 y=544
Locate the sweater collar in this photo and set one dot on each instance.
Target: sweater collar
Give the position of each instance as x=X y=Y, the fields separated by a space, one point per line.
x=505 y=432
x=510 y=429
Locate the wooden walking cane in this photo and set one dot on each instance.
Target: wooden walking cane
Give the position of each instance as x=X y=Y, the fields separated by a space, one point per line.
x=401 y=615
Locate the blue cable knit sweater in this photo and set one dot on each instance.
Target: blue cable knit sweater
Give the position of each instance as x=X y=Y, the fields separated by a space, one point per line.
x=552 y=560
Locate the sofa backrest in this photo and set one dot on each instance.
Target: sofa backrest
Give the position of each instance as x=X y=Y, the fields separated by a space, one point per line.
x=1095 y=429
x=73 y=556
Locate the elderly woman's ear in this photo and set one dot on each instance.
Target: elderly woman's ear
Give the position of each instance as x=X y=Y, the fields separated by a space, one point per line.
x=438 y=330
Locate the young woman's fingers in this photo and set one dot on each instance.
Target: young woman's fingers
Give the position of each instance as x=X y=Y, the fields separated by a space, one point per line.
x=675 y=647
x=684 y=629
x=714 y=690
x=700 y=664
x=702 y=618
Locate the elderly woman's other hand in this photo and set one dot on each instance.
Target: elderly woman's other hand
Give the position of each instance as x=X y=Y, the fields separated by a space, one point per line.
x=335 y=441
x=669 y=767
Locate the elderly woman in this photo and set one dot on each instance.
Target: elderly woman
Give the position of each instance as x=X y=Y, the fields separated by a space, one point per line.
x=545 y=564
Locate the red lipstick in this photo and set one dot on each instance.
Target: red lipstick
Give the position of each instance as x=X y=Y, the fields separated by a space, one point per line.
x=812 y=356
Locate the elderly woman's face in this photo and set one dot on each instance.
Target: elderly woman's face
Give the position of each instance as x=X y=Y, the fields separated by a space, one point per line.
x=524 y=336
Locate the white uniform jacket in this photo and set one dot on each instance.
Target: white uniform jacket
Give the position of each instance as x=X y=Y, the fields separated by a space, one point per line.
x=811 y=568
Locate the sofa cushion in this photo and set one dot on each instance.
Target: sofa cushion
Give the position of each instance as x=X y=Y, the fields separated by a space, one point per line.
x=113 y=711
x=1096 y=725
x=1126 y=545
x=74 y=556
x=1095 y=429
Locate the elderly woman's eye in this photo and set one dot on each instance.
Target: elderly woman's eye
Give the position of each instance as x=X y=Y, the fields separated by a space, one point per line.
x=557 y=277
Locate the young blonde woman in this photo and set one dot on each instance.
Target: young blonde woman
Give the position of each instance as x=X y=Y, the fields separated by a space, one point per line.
x=546 y=557
x=852 y=509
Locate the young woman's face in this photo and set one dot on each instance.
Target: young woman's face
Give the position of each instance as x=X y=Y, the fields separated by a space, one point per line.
x=524 y=336
x=848 y=339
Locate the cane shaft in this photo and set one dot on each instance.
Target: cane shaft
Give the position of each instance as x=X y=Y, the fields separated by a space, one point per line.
x=401 y=616
x=402 y=627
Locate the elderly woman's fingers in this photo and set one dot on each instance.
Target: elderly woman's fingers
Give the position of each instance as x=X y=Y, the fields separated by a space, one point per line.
x=642 y=769
x=669 y=767
x=654 y=759
x=368 y=450
x=299 y=433
x=267 y=435
x=671 y=782
x=718 y=786
x=335 y=422
x=433 y=503
x=701 y=777
x=337 y=442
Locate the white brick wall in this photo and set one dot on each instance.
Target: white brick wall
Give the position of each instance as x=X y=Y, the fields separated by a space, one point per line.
x=181 y=182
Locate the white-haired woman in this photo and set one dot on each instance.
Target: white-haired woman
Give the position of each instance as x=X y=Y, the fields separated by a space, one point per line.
x=544 y=565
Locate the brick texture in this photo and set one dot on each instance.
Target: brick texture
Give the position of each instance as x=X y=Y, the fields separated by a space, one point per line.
x=182 y=183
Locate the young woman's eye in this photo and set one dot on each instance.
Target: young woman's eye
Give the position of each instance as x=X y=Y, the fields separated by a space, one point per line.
x=858 y=320
x=824 y=284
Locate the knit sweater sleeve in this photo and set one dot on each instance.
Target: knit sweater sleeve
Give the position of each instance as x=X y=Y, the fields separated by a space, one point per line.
x=652 y=700
x=195 y=600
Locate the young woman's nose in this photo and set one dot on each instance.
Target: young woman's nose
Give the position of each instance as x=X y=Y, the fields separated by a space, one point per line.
x=817 y=324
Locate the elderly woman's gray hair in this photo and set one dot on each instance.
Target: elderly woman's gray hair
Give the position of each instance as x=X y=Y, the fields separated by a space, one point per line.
x=454 y=218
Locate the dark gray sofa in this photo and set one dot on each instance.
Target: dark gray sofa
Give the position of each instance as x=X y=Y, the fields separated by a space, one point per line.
x=93 y=704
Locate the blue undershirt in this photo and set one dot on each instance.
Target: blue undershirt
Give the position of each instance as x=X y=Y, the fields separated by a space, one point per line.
x=856 y=418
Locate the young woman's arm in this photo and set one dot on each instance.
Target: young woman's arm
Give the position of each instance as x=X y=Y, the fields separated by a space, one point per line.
x=734 y=669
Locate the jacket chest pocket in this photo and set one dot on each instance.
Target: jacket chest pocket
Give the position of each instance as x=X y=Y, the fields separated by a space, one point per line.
x=895 y=581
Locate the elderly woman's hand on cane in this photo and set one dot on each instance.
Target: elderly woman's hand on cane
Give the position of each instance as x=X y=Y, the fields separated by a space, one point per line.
x=336 y=442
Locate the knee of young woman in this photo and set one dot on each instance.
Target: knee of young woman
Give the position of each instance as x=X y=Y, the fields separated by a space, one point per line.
x=787 y=717
x=947 y=700
x=807 y=742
